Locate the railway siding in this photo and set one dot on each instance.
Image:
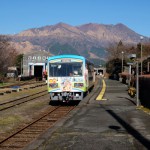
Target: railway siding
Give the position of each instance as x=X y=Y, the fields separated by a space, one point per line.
x=6 y=90
x=20 y=88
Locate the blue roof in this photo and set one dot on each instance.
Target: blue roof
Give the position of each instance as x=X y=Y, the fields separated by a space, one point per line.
x=66 y=56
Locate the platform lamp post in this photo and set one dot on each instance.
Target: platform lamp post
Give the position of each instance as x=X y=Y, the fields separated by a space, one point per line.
x=141 y=38
x=137 y=77
x=136 y=61
x=122 y=60
x=137 y=84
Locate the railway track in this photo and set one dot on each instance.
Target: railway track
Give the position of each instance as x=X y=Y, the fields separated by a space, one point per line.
x=21 y=83
x=29 y=132
x=20 y=87
x=26 y=134
x=18 y=101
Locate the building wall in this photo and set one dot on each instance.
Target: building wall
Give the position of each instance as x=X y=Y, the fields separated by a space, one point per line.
x=32 y=59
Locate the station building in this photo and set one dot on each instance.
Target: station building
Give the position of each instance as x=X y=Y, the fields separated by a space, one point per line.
x=34 y=63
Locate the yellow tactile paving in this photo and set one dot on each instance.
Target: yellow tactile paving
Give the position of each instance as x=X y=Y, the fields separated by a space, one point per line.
x=100 y=96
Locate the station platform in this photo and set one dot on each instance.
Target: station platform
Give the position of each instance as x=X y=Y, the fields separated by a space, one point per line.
x=112 y=123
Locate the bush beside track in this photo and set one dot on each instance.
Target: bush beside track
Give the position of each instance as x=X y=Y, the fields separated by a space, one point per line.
x=144 y=93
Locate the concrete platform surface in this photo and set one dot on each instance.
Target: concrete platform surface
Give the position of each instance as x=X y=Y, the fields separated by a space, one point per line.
x=112 y=124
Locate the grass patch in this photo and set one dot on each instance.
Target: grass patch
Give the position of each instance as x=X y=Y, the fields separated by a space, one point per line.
x=2 y=84
x=146 y=110
x=8 y=122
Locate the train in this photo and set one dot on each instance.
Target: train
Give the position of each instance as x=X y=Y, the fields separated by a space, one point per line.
x=69 y=77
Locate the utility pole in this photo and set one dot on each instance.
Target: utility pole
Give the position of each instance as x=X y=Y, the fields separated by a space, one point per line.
x=137 y=84
x=141 y=55
x=122 y=60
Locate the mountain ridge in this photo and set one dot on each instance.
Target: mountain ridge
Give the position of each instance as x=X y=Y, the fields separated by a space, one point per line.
x=89 y=39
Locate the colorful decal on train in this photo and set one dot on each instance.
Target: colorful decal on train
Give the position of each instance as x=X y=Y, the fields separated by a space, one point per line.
x=66 y=84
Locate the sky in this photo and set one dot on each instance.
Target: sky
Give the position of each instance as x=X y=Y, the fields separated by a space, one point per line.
x=19 y=15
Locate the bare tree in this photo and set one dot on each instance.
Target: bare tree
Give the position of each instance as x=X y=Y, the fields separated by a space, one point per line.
x=146 y=50
x=115 y=50
x=7 y=54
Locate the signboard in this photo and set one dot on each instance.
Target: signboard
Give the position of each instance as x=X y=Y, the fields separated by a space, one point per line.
x=37 y=57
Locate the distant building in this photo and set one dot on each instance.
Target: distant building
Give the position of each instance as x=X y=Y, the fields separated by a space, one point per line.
x=34 y=63
x=100 y=70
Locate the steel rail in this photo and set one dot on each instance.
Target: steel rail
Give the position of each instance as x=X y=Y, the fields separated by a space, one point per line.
x=22 y=98
x=32 y=130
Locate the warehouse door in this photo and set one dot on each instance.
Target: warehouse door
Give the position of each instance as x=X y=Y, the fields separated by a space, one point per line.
x=38 y=71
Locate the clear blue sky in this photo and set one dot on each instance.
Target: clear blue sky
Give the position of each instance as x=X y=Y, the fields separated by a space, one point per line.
x=19 y=15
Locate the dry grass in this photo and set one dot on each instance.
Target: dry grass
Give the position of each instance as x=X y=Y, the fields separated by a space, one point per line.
x=13 y=118
x=146 y=110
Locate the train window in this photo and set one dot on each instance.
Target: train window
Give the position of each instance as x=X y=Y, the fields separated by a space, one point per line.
x=77 y=70
x=65 y=69
x=59 y=66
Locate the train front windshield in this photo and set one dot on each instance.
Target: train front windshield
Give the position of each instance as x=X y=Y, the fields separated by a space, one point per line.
x=65 y=69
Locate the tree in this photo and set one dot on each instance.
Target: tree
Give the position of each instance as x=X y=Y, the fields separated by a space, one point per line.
x=7 y=54
x=18 y=62
x=114 y=63
x=115 y=50
x=146 y=49
x=138 y=50
x=113 y=67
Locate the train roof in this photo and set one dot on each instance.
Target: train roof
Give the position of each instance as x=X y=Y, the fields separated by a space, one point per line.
x=66 y=56
x=70 y=56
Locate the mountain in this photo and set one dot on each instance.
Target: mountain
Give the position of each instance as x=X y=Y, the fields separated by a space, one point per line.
x=90 y=40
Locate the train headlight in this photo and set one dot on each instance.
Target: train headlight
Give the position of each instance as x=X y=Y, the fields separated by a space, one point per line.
x=53 y=85
x=78 y=85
